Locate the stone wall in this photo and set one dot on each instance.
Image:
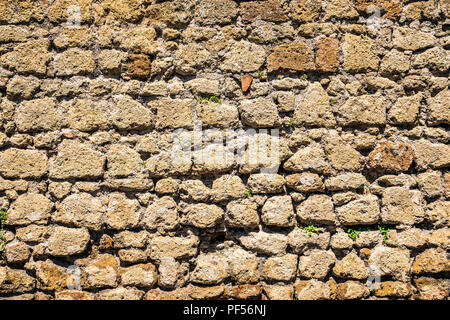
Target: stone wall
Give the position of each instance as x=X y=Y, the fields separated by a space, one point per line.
x=101 y=203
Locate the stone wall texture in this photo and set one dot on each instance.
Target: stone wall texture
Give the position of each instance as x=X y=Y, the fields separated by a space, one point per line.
x=98 y=206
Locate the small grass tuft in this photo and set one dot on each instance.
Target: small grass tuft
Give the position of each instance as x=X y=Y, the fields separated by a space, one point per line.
x=310 y=229
x=209 y=99
x=333 y=101
x=248 y=193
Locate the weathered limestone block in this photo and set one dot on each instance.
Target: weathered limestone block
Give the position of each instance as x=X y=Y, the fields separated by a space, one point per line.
x=282 y=268
x=359 y=212
x=122 y=213
x=129 y=114
x=400 y=205
x=315 y=264
x=438 y=212
x=243 y=266
x=213 y=12
x=228 y=187
x=81 y=210
x=307 y=158
x=305 y=182
x=88 y=115
x=296 y=56
x=211 y=268
x=439 y=112
x=278 y=211
x=161 y=214
x=405 y=110
x=77 y=11
x=264 y=242
x=243 y=56
x=266 y=183
x=269 y=10
x=99 y=272
x=363 y=110
x=242 y=214
x=76 y=160
x=312 y=290
x=123 y=161
x=360 y=54
x=301 y=240
x=140 y=275
x=19 y=163
x=14 y=281
x=218 y=115
x=74 y=62
x=38 y=115
x=259 y=113
x=29 y=208
x=431 y=155
x=351 y=267
x=175 y=113
x=127 y=239
x=313 y=109
x=412 y=39
x=28 y=58
x=175 y=247
x=67 y=241
x=202 y=215
x=317 y=209
x=305 y=11
x=391 y=262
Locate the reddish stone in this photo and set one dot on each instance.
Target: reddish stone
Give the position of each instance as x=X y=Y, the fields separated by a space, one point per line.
x=246 y=81
x=327 y=55
x=139 y=66
x=296 y=56
x=247 y=291
x=391 y=157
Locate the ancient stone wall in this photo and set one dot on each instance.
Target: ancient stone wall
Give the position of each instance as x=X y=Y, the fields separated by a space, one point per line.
x=195 y=149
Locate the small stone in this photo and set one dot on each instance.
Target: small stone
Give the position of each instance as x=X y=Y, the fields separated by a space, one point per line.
x=269 y=10
x=431 y=261
x=317 y=209
x=76 y=160
x=202 y=215
x=129 y=114
x=264 y=242
x=266 y=183
x=315 y=264
x=242 y=214
x=363 y=211
x=360 y=54
x=87 y=115
x=162 y=213
x=430 y=183
x=246 y=81
x=18 y=163
x=126 y=239
x=278 y=211
x=68 y=241
x=228 y=187
x=350 y=267
x=400 y=205
x=29 y=208
x=346 y=181
x=175 y=113
x=141 y=275
x=172 y=273
x=175 y=247
x=74 y=295
x=352 y=290
x=282 y=268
